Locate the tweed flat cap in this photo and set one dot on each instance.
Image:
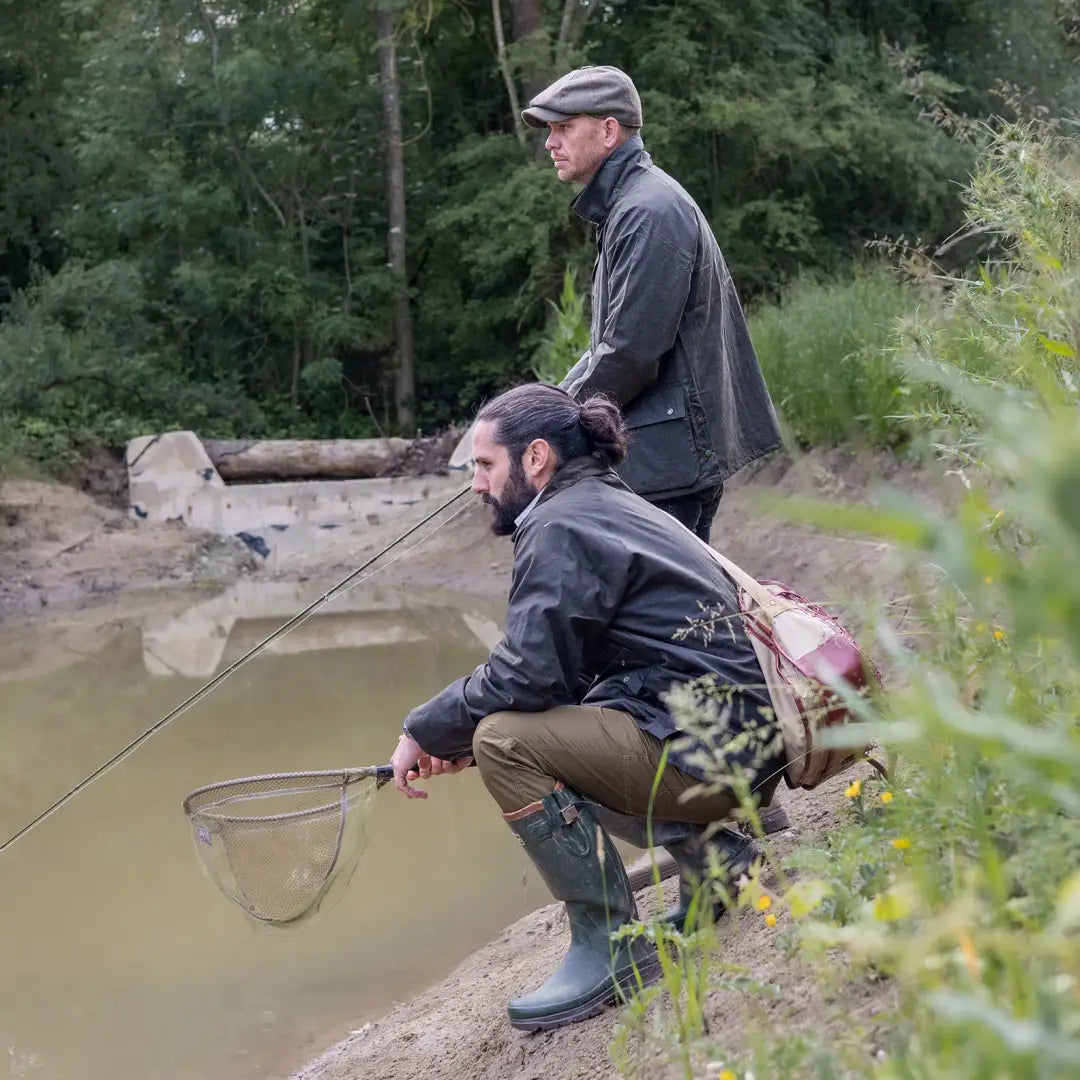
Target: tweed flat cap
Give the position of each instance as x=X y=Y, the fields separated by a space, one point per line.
x=590 y=91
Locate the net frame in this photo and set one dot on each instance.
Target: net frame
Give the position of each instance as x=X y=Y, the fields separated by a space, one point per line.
x=212 y=812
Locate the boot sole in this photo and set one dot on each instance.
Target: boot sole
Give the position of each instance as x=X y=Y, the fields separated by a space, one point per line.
x=774 y=819
x=648 y=971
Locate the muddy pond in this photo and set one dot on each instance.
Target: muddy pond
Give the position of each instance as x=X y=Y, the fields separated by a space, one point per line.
x=120 y=960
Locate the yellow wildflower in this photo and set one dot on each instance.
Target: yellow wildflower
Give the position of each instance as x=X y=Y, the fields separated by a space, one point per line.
x=988 y=580
x=968 y=952
x=853 y=789
x=999 y=635
x=764 y=903
x=901 y=843
x=886 y=797
x=727 y=1074
x=770 y=919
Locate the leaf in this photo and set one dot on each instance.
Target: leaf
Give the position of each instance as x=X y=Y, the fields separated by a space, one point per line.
x=1059 y=348
x=806 y=895
x=1020 y=1036
x=1068 y=905
x=894 y=903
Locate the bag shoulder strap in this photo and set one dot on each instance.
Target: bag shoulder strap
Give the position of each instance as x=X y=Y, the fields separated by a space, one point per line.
x=770 y=604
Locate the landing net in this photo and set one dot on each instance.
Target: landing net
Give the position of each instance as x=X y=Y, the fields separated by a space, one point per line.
x=280 y=845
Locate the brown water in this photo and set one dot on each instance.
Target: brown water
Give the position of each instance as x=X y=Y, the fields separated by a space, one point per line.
x=119 y=959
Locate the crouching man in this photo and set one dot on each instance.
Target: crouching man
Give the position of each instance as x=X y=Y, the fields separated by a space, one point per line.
x=566 y=719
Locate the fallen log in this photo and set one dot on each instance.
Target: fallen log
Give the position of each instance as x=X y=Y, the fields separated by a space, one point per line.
x=285 y=459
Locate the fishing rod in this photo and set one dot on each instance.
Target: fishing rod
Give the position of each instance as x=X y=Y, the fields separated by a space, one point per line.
x=206 y=688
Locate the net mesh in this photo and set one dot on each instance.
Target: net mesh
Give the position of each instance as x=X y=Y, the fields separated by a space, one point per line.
x=279 y=846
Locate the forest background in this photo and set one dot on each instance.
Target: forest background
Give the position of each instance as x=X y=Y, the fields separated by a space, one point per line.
x=324 y=218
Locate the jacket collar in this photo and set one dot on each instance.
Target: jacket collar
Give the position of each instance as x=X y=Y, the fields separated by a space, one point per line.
x=579 y=468
x=594 y=201
x=575 y=469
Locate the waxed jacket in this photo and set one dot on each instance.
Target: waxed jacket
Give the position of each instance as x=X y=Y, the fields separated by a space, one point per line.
x=603 y=583
x=668 y=340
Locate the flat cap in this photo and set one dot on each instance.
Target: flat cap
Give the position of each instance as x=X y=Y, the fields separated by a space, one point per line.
x=589 y=91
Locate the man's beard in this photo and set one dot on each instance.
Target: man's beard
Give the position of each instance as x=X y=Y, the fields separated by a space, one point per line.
x=517 y=494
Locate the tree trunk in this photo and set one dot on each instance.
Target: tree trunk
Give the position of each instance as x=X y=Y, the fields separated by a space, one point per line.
x=527 y=30
x=575 y=14
x=282 y=459
x=404 y=368
x=507 y=74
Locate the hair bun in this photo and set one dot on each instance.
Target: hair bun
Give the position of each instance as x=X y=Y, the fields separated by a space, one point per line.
x=605 y=429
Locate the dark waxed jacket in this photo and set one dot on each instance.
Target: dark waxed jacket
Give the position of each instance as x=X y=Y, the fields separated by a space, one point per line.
x=668 y=342
x=602 y=583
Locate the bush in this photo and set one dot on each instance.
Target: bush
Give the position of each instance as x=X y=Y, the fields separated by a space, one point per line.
x=824 y=349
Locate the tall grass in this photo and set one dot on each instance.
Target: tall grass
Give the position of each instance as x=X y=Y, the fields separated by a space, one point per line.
x=957 y=884
x=825 y=350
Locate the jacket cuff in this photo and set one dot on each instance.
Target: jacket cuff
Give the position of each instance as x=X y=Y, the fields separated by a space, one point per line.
x=442 y=727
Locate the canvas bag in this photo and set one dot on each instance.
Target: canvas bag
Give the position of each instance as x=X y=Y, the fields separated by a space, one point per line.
x=803 y=652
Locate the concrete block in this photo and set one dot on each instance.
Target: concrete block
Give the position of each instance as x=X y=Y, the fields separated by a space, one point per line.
x=171 y=477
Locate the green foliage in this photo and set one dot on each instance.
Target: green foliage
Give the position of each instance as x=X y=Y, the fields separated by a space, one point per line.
x=824 y=349
x=568 y=336
x=230 y=169
x=956 y=884
x=38 y=50
x=778 y=116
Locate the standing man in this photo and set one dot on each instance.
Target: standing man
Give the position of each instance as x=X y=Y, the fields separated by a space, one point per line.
x=668 y=342
x=602 y=583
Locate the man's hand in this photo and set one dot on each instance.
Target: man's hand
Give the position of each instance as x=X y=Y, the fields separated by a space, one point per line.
x=411 y=763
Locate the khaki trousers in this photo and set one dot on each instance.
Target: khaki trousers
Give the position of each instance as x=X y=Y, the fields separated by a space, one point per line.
x=601 y=753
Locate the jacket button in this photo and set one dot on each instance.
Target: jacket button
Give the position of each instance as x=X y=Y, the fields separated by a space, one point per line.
x=626 y=678
x=670 y=411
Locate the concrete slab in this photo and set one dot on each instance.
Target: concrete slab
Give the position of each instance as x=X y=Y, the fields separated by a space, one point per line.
x=171 y=477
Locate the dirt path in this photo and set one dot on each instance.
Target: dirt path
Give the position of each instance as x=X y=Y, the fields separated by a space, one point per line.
x=62 y=554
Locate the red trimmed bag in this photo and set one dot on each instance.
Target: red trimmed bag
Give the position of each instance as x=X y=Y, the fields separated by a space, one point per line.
x=804 y=652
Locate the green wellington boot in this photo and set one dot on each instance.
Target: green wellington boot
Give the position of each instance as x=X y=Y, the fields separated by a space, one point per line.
x=581 y=867
x=735 y=854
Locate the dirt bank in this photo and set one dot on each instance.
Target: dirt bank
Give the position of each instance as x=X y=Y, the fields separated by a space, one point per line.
x=62 y=550
x=62 y=553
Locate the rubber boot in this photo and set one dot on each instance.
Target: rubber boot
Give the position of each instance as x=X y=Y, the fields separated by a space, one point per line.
x=774 y=818
x=634 y=831
x=581 y=867
x=735 y=854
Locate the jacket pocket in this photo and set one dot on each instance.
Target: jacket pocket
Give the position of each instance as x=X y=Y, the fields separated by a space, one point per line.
x=663 y=455
x=666 y=403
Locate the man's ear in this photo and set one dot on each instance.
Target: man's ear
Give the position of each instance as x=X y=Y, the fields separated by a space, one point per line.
x=538 y=457
x=612 y=132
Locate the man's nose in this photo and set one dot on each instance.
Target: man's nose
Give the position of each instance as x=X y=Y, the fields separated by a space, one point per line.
x=551 y=141
x=479 y=483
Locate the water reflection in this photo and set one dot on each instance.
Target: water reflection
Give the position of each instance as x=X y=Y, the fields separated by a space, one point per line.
x=121 y=960
x=197 y=641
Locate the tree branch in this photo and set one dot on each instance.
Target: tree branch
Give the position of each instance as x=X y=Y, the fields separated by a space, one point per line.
x=504 y=67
